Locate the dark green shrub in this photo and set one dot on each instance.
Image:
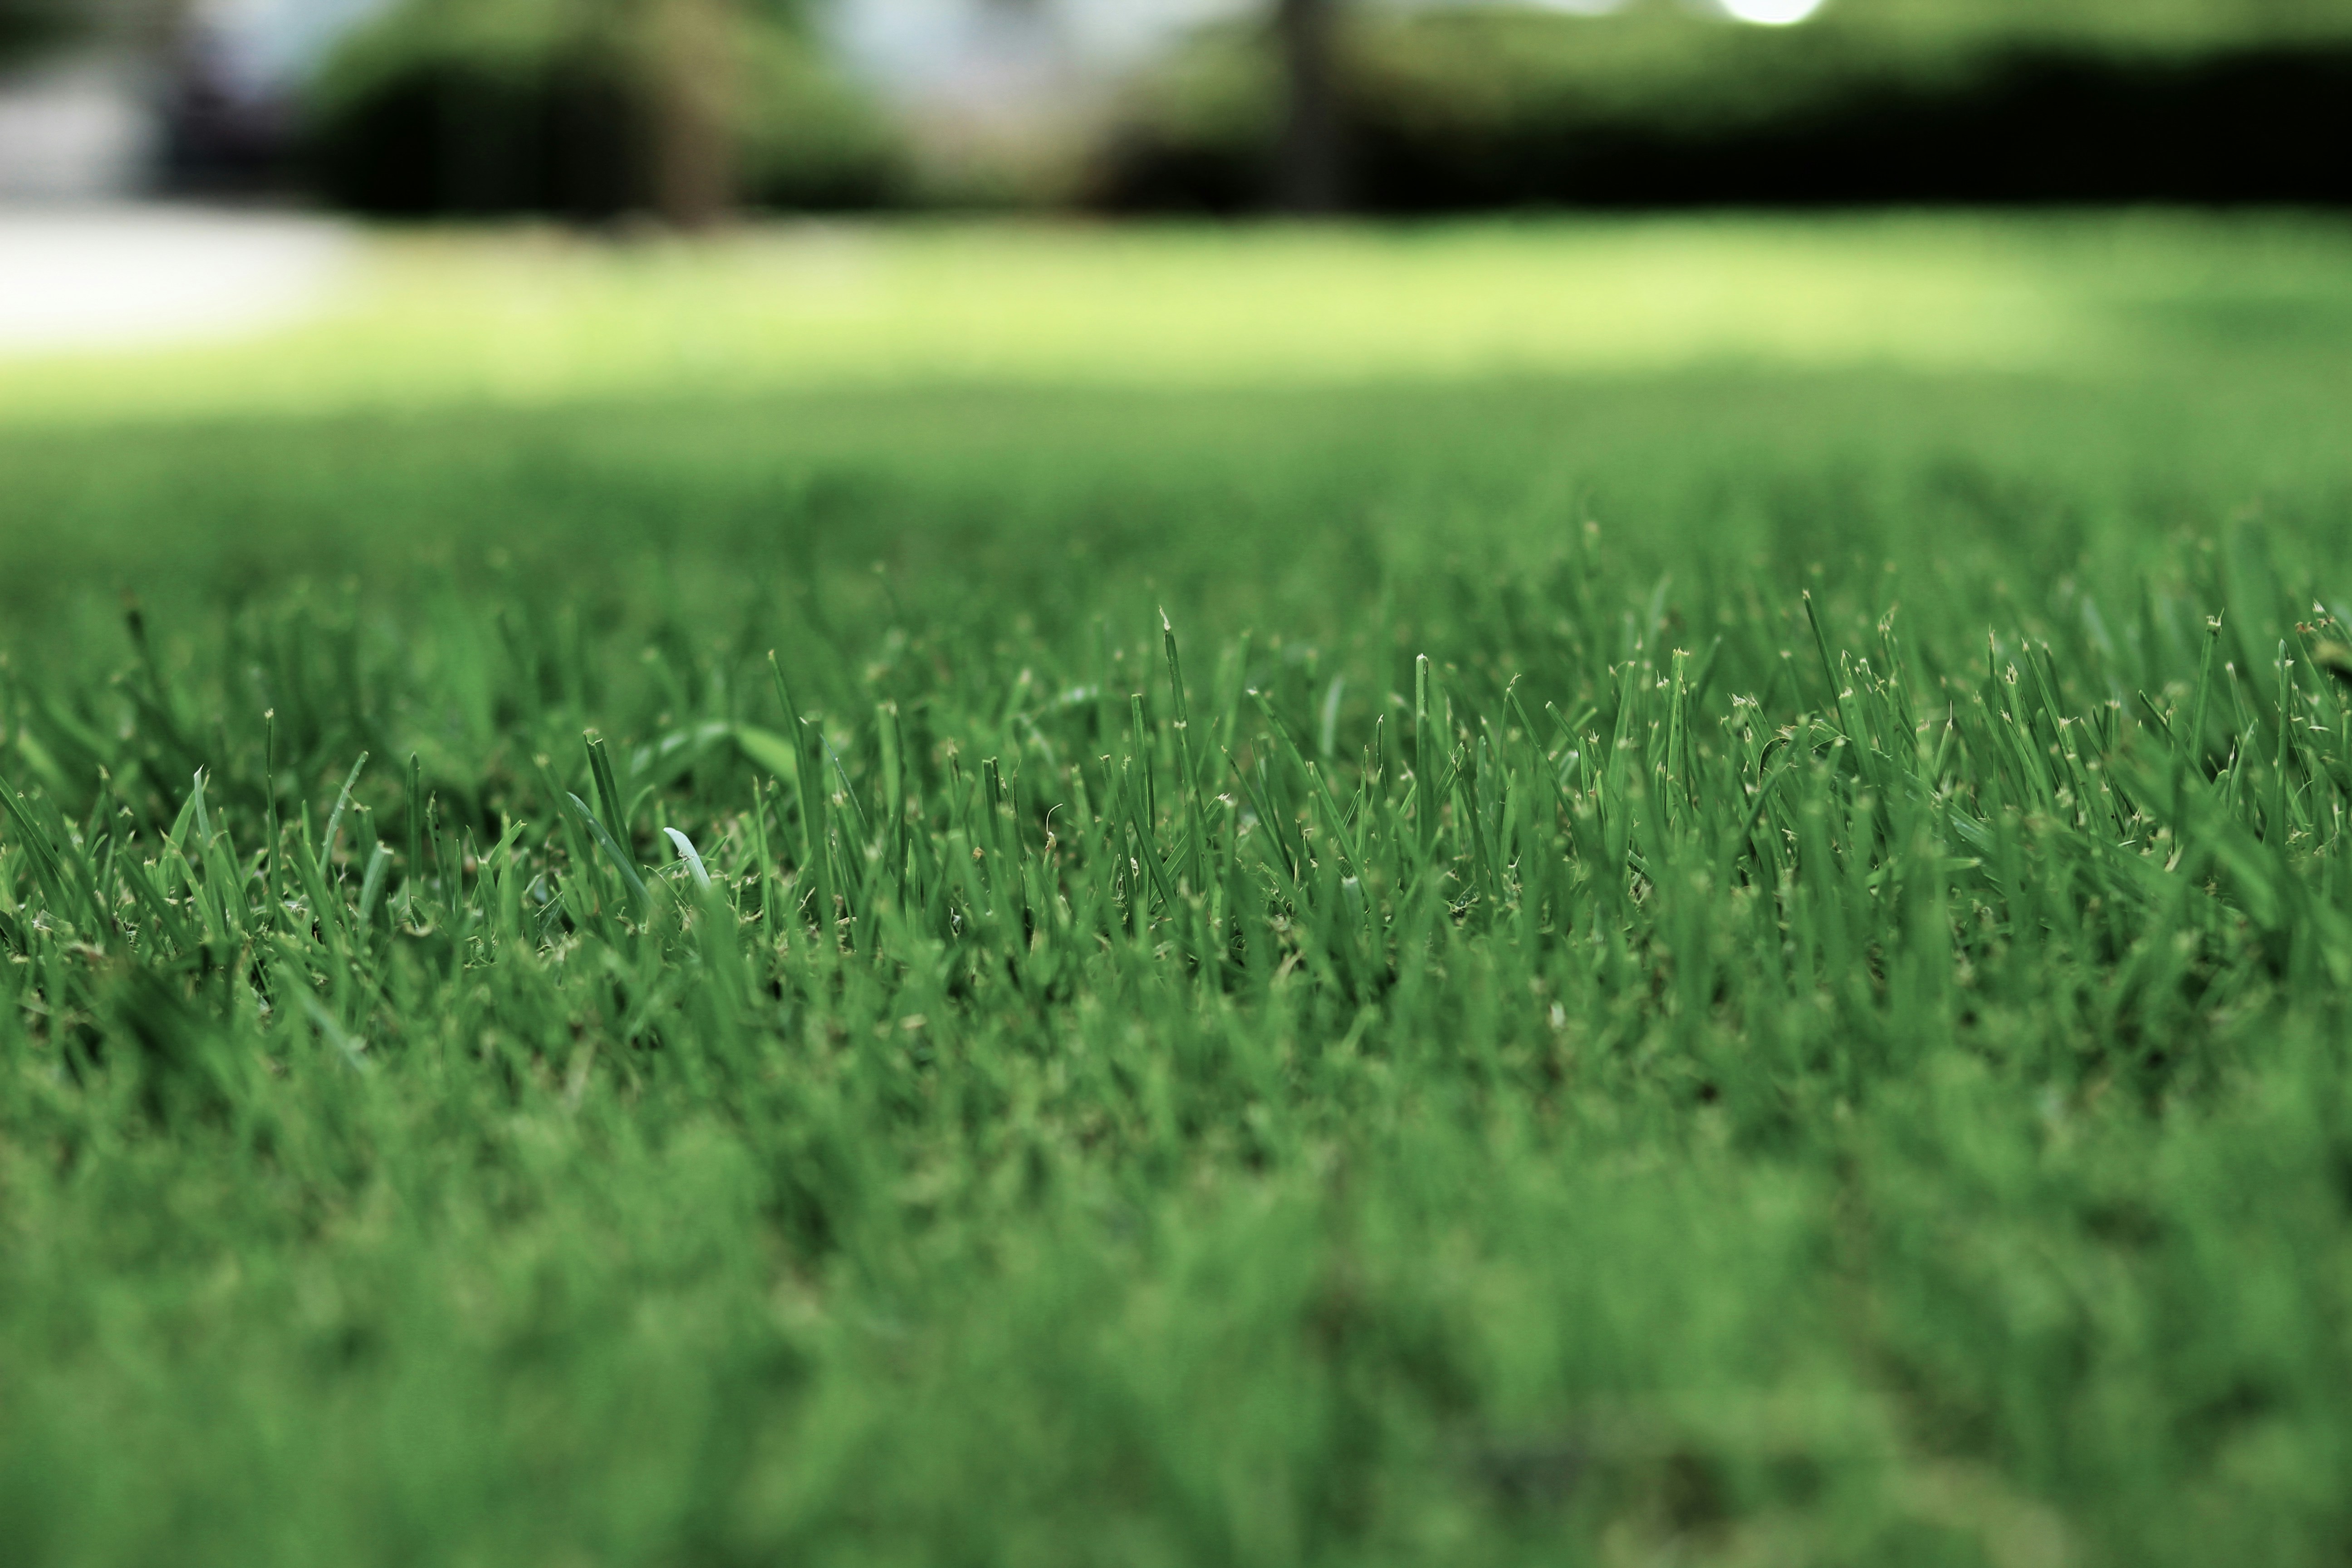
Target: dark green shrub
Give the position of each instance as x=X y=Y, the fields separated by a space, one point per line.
x=1876 y=101
x=28 y=24
x=546 y=105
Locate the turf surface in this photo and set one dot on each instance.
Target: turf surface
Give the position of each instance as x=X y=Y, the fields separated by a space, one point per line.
x=1736 y=956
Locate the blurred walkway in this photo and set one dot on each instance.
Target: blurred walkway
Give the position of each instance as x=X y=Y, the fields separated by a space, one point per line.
x=136 y=276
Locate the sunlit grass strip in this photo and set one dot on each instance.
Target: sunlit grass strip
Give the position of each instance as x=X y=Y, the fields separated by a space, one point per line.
x=534 y=319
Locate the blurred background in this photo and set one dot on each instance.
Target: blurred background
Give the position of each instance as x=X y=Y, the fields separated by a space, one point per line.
x=473 y=188
x=599 y=111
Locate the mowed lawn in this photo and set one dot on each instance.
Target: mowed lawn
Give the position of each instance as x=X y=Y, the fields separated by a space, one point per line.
x=1715 y=929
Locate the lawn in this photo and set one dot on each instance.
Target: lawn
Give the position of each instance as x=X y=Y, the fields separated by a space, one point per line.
x=1716 y=927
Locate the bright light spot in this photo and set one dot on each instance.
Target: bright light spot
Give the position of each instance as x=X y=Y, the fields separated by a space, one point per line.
x=1769 y=13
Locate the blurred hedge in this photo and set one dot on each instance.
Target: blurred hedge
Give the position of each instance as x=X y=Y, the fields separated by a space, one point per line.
x=479 y=107
x=1903 y=101
x=26 y=24
x=33 y=28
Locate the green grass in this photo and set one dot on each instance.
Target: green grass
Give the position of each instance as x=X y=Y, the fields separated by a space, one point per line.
x=1726 y=957
x=535 y=320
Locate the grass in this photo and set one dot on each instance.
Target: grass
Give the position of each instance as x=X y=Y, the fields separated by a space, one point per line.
x=1725 y=958
x=535 y=320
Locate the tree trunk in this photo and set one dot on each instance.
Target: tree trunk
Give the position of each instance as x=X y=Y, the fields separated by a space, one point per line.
x=692 y=62
x=1310 y=176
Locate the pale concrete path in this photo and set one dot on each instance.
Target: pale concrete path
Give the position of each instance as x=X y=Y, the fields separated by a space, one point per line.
x=134 y=276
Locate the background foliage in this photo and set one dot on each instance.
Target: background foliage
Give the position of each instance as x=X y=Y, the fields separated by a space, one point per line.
x=502 y=106
x=1873 y=101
